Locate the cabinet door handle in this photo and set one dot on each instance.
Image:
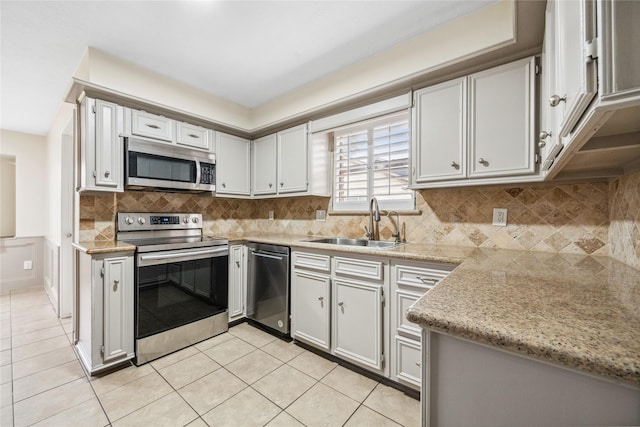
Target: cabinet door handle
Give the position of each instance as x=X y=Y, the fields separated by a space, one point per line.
x=455 y=165
x=238 y=264
x=152 y=126
x=270 y=185
x=555 y=100
x=224 y=185
x=282 y=184
x=544 y=134
x=541 y=144
x=341 y=304
x=115 y=285
x=418 y=364
x=193 y=135
x=106 y=174
x=483 y=161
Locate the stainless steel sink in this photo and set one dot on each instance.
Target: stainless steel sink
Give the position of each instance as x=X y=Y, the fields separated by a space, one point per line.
x=379 y=244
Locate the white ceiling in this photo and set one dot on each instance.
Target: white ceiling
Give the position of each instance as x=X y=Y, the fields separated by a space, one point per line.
x=246 y=51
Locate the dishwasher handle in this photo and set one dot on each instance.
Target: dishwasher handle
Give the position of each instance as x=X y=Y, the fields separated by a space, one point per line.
x=271 y=255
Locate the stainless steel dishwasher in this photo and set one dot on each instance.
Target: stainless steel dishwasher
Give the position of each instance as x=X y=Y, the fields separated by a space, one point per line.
x=268 y=286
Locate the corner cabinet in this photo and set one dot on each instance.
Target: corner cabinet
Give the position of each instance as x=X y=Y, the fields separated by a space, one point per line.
x=233 y=165
x=477 y=129
x=237 y=281
x=105 y=317
x=101 y=148
x=591 y=104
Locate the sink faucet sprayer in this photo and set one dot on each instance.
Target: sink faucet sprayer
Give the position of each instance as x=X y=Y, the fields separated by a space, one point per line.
x=374 y=215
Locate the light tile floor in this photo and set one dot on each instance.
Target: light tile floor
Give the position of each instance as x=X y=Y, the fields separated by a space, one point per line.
x=245 y=377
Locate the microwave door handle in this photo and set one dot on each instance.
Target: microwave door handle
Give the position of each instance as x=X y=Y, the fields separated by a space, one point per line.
x=197 y=173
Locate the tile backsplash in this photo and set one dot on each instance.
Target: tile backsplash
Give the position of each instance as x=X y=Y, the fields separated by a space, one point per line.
x=624 y=218
x=596 y=218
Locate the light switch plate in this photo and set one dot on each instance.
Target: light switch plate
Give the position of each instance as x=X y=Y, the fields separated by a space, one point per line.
x=270 y=215
x=28 y=265
x=321 y=215
x=500 y=217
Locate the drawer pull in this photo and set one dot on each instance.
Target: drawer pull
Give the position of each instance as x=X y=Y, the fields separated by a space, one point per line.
x=427 y=280
x=115 y=285
x=152 y=126
x=193 y=135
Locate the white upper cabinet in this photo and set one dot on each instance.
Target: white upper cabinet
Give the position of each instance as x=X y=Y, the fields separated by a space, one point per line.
x=477 y=129
x=575 y=73
x=290 y=163
x=166 y=130
x=194 y=136
x=264 y=165
x=233 y=165
x=292 y=160
x=502 y=119
x=152 y=126
x=591 y=107
x=101 y=149
x=440 y=121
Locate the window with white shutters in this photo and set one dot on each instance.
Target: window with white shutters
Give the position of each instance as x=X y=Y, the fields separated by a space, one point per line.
x=372 y=159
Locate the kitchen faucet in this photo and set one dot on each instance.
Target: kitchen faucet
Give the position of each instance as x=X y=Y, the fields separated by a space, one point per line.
x=374 y=215
x=396 y=224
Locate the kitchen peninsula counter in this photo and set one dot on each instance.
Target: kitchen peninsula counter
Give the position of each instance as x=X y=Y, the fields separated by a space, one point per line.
x=576 y=311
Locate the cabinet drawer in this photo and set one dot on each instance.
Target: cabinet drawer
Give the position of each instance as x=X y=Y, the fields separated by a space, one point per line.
x=358 y=268
x=408 y=361
x=404 y=300
x=152 y=126
x=193 y=136
x=312 y=261
x=421 y=277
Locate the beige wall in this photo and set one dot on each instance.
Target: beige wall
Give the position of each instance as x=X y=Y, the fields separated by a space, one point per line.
x=487 y=29
x=31 y=180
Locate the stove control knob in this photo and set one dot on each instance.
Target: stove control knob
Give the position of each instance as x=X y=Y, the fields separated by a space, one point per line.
x=185 y=219
x=194 y=219
x=141 y=221
x=128 y=220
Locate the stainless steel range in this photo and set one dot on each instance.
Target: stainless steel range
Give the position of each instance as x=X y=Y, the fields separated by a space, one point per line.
x=181 y=281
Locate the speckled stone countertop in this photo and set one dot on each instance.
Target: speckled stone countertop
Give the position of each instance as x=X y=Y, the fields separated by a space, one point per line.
x=104 y=247
x=578 y=311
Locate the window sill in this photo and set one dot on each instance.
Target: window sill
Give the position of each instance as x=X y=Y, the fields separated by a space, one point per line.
x=401 y=213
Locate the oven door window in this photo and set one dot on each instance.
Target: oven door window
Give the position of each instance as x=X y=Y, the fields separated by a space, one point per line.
x=151 y=166
x=177 y=293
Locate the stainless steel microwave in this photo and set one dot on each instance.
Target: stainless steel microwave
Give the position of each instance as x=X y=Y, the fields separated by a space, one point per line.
x=158 y=166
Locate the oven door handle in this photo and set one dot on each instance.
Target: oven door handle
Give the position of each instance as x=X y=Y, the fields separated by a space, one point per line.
x=165 y=258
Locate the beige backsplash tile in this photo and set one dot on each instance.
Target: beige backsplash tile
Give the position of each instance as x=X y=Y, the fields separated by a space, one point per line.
x=566 y=218
x=624 y=214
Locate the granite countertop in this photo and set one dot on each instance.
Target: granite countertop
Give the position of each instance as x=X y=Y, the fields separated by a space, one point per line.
x=104 y=247
x=577 y=311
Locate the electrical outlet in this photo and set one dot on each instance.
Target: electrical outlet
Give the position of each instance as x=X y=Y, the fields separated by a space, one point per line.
x=500 y=217
x=28 y=265
x=321 y=215
x=270 y=215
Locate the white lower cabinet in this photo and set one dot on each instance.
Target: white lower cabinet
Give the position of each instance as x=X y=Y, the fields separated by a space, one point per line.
x=310 y=308
x=105 y=325
x=338 y=306
x=410 y=280
x=237 y=281
x=357 y=322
